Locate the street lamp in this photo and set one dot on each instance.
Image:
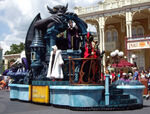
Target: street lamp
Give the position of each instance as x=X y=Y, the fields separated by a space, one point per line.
x=125 y=57
x=120 y=54
x=116 y=55
x=108 y=57
x=107 y=60
x=133 y=56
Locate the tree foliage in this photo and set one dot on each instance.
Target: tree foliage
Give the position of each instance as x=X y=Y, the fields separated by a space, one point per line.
x=15 y=49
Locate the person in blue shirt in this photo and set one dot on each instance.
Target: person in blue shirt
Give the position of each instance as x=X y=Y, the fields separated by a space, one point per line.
x=136 y=74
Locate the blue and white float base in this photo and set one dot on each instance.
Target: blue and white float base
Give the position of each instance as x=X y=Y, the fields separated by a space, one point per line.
x=79 y=96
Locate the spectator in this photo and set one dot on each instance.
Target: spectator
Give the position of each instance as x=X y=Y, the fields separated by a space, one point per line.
x=136 y=74
x=3 y=84
x=7 y=82
x=118 y=74
x=125 y=77
x=121 y=72
x=148 y=74
x=130 y=76
x=147 y=96
x=113 y=77
x=142 y=75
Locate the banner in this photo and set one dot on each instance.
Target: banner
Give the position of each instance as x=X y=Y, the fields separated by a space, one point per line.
x=138 y=45
x=40 y=94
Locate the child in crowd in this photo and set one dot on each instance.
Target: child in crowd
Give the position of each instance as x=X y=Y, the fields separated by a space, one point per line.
x=2 y=84
x=130 y=76
x=147 y=96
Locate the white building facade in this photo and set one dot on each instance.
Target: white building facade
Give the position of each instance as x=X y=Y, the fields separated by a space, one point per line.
x=8 y=58
x=122 y=25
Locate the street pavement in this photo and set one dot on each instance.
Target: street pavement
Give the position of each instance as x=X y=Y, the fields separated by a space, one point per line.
x=17 y=107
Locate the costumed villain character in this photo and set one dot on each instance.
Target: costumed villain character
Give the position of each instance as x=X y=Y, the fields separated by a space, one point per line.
x=88 y=46
x=55 y=64
x=73 y=36
x=91 y=67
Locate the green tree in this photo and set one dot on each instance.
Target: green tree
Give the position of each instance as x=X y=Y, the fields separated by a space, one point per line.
x=15 y=49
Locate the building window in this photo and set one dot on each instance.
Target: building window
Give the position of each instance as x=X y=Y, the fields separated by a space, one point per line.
x=137 y=31
x=108 y=36
x=140 y=31
x=134 y=32
x=115 y=35
x=111 y=35
x=33 y=56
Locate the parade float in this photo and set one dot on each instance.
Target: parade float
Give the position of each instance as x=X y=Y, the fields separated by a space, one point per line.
x=82 y=86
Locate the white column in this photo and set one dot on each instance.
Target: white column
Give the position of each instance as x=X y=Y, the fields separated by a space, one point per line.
x=101 y=23
x=103 y=37
x=129 y=24
x=129 y=29
x=6 y=63
x=101 y=40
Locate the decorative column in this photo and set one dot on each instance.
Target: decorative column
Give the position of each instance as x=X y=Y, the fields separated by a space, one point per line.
x=128 y=29
x=129 y=24
x=101 y=22
x=98 y=34
x=6 y=63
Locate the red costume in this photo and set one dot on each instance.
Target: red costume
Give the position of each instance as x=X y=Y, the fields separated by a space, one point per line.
x=92 y=65
x=89 y=50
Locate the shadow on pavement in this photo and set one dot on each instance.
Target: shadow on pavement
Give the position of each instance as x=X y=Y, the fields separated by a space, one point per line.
x=146 y=106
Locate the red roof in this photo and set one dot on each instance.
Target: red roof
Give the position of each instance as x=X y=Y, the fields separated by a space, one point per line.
x=123 y=63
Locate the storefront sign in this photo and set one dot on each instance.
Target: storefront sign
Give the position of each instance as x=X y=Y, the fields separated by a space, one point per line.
x=138 y=45
x=40 y=94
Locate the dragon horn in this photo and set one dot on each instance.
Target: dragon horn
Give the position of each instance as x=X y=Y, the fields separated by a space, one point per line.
x=66 y=6
x=50 y=10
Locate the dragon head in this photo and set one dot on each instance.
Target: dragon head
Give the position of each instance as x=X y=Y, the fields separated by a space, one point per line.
x=58 y=9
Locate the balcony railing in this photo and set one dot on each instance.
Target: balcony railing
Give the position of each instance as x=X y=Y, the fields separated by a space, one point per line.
x=138 y=38
x=107 y=6
x=85 y=71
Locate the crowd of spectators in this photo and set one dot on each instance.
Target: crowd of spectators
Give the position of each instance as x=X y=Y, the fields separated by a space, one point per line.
x=132 y=74
x=4 y=82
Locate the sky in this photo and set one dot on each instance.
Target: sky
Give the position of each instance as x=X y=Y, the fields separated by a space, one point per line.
x=17 y=15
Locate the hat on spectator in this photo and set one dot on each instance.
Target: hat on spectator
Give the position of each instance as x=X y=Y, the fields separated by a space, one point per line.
x=124 y=74
x=130 y=73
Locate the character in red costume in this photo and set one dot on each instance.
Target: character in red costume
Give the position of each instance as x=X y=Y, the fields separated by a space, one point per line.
x=91 y=47
x=91 y=66
x=88 y=46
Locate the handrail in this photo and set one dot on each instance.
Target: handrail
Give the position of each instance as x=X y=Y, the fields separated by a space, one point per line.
x=88 y=71
x=84 y=58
